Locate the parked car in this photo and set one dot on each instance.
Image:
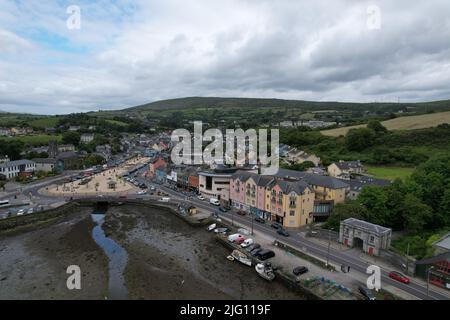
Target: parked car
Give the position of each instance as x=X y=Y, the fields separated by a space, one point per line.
x=244 y=231
x=30 y=211
x=260 y=220
x=399 y=277
x=246 y=243
x=255 y=251
x=240 y=240
x=265 y=254
x=276 y=225
x=253 y=246
x=214 y=202
x=241 y=213
x=368 y=294
x=283 y=232
x=223 y=209
x=234 y=237
x=300 y=270
x=20 y=212
x=142 y=192
x=221 y=230
x=202 y=198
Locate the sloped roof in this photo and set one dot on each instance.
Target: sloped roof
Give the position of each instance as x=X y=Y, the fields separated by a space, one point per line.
x=444 y=256
x=313 y=179
x=366 y=225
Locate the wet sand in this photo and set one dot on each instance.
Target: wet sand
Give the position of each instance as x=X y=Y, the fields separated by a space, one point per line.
x=167 y=259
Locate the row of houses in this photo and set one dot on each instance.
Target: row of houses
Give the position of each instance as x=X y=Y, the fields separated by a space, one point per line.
x=15 y=131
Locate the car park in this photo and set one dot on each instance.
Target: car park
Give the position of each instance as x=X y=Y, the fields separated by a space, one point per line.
x=300 y=270
x=367 y=294
x=399 y=277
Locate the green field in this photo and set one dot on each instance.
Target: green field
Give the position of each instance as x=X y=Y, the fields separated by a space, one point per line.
x=36 y=140
x=43 y=123
x=390 y=173
x=117 y=123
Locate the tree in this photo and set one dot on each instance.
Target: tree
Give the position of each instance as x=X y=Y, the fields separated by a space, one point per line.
x=11 y=148
x=359 y=139
x=444 y=212
x=374 y=199
x=376 y=126
x=71 y=137
x=342 y=211
x=3 y=185
x=415 y=213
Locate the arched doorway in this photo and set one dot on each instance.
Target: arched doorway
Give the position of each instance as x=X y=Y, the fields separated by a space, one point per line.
x=358 y=243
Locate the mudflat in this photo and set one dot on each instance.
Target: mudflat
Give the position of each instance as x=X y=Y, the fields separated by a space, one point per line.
x=167 y=259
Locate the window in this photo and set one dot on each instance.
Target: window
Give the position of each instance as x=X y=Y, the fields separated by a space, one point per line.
x=292 y=213
x=372 y=239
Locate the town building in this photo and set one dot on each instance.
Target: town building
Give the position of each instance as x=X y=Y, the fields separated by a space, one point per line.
x=87 y=138
x=45 y=164
x=12 y=169
x=442 y=245
x=358 y=183
x=344 y=169
x=67 y=161
x=371 y=238
x=155 y=164
x=436 y=269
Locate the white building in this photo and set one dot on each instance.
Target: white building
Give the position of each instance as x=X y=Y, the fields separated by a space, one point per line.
x=12 y=169
x=87 y=138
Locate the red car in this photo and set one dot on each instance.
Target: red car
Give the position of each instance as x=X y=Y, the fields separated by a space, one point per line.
x=399 y=277
x=241 y=213
x=239 y=240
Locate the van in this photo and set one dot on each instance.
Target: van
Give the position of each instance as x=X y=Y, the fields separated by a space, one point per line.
x=265 y=254
x=164 y=199
x=214 y=201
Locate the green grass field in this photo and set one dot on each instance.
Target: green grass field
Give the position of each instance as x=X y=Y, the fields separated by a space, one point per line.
x=37 y=140
x=43 y=123
x=390 y=173
x=117 y=123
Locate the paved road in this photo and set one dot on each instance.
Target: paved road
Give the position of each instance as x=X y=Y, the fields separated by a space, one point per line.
x=319 y=250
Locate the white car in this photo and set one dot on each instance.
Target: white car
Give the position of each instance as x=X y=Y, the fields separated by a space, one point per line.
x=141 y=192
x=20 y=212
x=211 y=227
x=30 y=211
x=234 y=237
x=244 y=231
x=202 y=198
x=246 y=243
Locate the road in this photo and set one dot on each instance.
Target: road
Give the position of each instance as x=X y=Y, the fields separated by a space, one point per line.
x=337 y=257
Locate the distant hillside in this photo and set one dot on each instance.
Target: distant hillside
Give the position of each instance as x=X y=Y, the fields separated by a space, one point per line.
x=401 y=123
x=220 y=103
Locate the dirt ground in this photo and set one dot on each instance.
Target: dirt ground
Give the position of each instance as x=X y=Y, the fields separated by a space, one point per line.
x=33 y=264
x=167 y=259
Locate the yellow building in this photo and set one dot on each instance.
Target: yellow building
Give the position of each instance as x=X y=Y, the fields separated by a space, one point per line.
x=290 y=203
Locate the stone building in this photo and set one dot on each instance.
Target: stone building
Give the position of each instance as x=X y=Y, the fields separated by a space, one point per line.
x=371 y=238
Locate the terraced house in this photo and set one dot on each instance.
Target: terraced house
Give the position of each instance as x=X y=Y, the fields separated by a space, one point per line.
x=312 y=196
x=290 y=203
x=287 y=202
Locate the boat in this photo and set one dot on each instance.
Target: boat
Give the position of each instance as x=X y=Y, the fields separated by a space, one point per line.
x=241 y=257
x=211 y=227
x=230 y=257
x=265 y=271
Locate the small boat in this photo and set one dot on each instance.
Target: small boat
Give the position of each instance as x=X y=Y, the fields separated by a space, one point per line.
x=265 y=271
x=241 y=257
x=211 y=227
x=230 y=257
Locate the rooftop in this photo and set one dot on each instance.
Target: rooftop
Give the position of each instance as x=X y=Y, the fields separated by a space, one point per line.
x=366 y=225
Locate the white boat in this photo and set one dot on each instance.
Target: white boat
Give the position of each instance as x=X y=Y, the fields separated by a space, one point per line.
x=265 y=271
x=241 y=257
x=211 y=227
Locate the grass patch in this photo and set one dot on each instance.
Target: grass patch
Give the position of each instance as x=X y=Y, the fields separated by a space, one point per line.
x=117 y=123
x=36 y=140
x=390 y=173
x=43 y=123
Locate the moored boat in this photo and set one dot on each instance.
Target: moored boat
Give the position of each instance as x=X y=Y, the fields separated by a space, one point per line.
x=241 y=257
x=265 y=271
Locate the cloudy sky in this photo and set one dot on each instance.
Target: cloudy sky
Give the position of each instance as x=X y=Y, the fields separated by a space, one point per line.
x=126 y=53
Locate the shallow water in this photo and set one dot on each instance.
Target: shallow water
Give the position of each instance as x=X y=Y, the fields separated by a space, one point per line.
x=117 y=256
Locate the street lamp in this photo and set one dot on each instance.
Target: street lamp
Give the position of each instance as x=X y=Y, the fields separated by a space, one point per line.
x=428 y=280
x=251 y=217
